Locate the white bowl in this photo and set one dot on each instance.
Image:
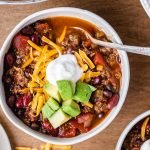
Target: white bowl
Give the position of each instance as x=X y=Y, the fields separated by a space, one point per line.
x=99 y=22
x=129 y=127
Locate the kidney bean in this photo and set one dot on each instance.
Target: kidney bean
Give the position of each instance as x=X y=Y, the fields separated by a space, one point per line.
x=107 y=94
x=113 y=101
x=69 y=50
x=20 y=44
x=19 y=102
x=23 y=101
x=49 y=128
x=96 y=80
x=9 y=59
x=26 y=99
x=28 y=30
x=109 y=87
x=11 y=101
x=35 y=39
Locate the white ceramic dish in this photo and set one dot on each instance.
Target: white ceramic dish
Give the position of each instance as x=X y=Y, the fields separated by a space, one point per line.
x=99 y=22
x=146 y=6
x=4 y=144
x=129 y=127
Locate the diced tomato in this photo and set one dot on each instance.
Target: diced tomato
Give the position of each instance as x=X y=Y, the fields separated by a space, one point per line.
x=42 y=28
x=98 y=59
x=113 y=101
x=86 y=119
x=20 y=43
x=78 y=126
x=46 y=125
x=87 y=43
x=67 y=130
x=23 y=101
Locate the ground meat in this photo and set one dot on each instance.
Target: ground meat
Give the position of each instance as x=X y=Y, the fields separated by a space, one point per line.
x=100 y=106
x=86 y=109
x=72 y=41
x=42 y=28
x=17 y=74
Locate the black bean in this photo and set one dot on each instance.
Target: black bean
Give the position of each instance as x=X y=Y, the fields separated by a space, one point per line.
x=100 y=115
x=107 y=94
x=35 y=126
x=9 y=59
x=20 y=112
x=7 y=79
x=28 y=30
x=11 y=101
x=109 y=87
x=35 y=39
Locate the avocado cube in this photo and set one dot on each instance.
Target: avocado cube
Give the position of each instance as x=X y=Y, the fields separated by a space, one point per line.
x=47 y=111
x=53 y=104
x=52 y=91
x=71 y=108
x=65 y=89
x=83 y=92
x=58 y=118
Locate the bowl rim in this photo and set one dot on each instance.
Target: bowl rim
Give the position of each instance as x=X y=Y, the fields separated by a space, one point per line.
x=63 y=141
x=128 y=128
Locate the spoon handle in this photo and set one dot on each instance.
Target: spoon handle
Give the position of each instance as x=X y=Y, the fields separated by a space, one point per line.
x=127 y=48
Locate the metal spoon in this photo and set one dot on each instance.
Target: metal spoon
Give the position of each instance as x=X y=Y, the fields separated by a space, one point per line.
x=127 y=48
x=16 y=2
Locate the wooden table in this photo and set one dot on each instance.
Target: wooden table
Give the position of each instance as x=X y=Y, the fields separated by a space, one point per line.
x=133 y=25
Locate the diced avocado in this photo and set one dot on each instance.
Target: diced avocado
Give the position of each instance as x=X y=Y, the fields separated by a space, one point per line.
x=52 y=91
x=59 y=118
x=92 y=88
x=83 y=92
x=65 y=89
x=53 y=104
x=47 y=111
x=71 y=108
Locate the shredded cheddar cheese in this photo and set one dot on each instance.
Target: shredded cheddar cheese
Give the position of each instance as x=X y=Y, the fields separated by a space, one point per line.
x=35 y=101
x=31 y=53
x=46 y=40
x=88 y=104
x=89 y=74
x=83 y=77
x=41 y=101
x=62 y=36
x=80 y=61
x=46 y=146
x=27 y=63
x=34 y=45
x=143 y=128
x=86 y=59
x=99 y=67
x=23 y=148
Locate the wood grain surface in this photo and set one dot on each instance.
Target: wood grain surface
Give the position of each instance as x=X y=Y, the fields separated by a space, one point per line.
x=133 y=25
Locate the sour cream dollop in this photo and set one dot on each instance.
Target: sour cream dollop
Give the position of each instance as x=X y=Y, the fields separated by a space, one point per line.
x=65 y=67
x=145 y=145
